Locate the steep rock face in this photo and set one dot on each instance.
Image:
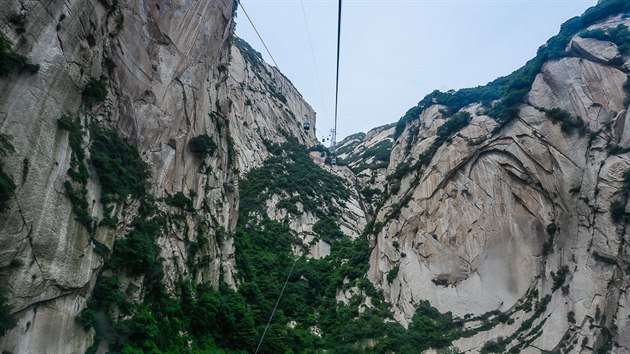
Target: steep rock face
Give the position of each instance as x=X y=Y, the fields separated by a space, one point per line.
x=368 y=156
x=265 y=105
x=267 y=109
x=353 y=213
x=172 y=74
x=500 y=211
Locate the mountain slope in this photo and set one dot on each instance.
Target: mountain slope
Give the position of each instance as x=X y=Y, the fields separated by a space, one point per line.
x=129 y=140
x=492 y=206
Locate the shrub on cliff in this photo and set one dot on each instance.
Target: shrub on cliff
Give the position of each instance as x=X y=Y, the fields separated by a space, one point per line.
x=121 y=171
x=617 y=211
x=7 y=321
x=202 y=145
x=11 y=61
x=618 y=35
x=94 y=92
x=7 y=186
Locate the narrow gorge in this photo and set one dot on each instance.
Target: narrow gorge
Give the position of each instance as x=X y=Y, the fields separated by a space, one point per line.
x=158 y=185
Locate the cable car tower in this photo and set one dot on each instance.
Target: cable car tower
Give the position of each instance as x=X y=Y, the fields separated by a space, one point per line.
x=306 y=125
x=333 y=142
x=333 y=132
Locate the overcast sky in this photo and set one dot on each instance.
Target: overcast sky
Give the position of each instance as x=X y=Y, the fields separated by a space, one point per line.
x=394 y=52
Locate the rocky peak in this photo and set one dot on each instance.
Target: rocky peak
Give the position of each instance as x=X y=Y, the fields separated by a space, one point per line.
x=483 y=212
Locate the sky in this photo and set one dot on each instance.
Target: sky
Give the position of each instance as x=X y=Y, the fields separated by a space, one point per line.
x=394 y=52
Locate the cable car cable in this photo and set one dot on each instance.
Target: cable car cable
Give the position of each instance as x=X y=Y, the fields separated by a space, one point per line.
x=275 y=306
x=333 y=145
x=310 y=44
x=258 y=34
x=334 y=141
x=306 y=124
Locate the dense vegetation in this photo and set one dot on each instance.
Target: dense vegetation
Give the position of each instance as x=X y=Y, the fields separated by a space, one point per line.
x=11 y=61
x=94 y=92
x=119 y=168
x=290 y=173
x=265 y=255
x=75 y=188
x=308 y=317
x=7 y=186
x=202 y=145
x=112 y=173
x=7 y=321
x=200 y=318
x=123 y=175
x=121 y=172
x=212 y=319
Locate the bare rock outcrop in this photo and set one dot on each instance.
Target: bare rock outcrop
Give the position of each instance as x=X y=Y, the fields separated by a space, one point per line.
x=500 y=212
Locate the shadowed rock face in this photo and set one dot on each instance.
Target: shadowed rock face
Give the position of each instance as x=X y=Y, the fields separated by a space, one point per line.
x=469 y=231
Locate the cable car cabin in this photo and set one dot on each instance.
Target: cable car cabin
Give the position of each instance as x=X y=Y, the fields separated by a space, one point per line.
x=307 y=126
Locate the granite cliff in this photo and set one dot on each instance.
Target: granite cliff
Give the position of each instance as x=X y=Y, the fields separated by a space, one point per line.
x=488 y=208
x=172 y=72
x=158 y=187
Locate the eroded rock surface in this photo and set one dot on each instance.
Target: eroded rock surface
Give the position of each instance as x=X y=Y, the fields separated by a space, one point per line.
x=499 y=211
x=173 y=72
